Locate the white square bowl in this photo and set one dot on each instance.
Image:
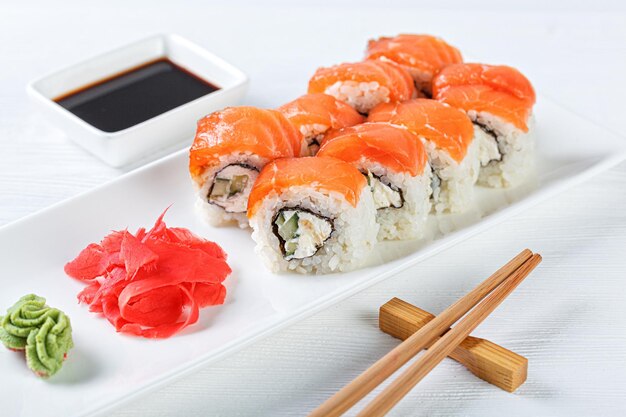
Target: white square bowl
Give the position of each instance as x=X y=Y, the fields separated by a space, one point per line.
x=153 y=135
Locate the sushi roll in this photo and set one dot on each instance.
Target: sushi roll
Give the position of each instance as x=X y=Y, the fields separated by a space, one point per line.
x=363 y=85
x=448 y=136
x=312 y=215
x=499 y=100
x=314 y=114
x=396 y=167
x=422 y=55
x=230 y=149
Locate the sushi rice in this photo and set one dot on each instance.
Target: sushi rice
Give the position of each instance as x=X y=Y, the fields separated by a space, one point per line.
x=453 y=182
x=394 y=162
x=406 y=218
x=363 y=96
x=507 y=153
x=345 y=245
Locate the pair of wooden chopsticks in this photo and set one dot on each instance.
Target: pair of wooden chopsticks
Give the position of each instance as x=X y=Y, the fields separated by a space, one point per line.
x=490 y=293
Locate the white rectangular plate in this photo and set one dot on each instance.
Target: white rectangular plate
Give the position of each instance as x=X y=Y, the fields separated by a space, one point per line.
x=106 y=368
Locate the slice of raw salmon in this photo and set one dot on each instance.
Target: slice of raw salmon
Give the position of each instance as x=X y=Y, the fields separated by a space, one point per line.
x=246 y=130
x=481 y=98
x=319 y=173
x=372 y=73
x=422 y=55
x=496 y=89
x=498 y=77
x=446 y=127
x=394 y=147
x=320 y=109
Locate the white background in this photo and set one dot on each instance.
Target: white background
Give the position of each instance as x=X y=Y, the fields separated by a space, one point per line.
x=569 y=319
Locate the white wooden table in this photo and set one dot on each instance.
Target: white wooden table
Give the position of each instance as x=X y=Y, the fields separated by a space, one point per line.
x=569 y=319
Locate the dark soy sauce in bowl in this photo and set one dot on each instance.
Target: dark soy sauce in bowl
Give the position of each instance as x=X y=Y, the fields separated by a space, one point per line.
x=136 y=95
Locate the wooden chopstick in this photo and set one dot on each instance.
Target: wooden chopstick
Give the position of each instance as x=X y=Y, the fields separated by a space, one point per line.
x=349 y=395
x=444 y=346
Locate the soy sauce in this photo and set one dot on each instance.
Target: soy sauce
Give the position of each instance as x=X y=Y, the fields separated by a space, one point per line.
x=136 y=95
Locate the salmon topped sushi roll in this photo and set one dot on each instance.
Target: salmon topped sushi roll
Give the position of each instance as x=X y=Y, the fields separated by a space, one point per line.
x=312 y=214
x=395 y=164
x=448 y=136
x=314 y=114
x=230 y=149
x=499 y=100
x=363 y=85
x=422 y=55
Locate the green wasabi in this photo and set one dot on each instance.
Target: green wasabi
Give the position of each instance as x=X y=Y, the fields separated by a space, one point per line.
x=42 y=332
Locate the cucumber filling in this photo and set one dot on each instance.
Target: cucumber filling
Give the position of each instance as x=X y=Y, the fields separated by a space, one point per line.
x=231 y=187
x=385 y=195
x=301 y=233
